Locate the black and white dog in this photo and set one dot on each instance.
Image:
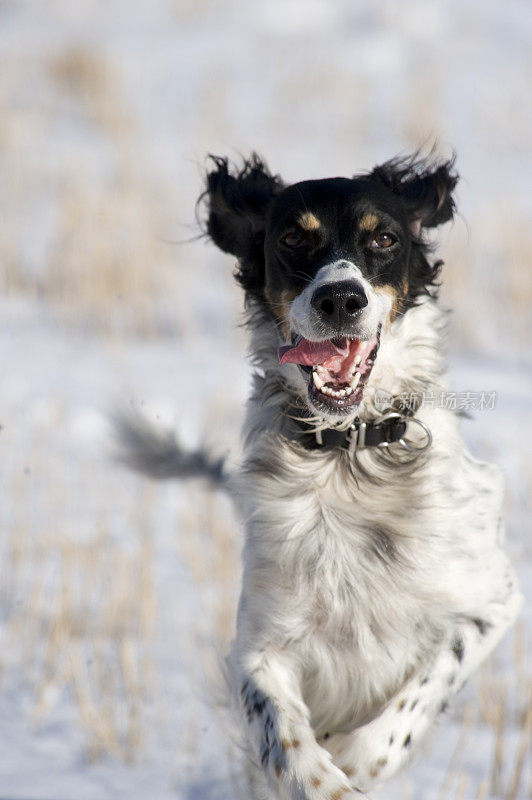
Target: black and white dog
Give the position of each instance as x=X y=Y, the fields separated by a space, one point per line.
x=375 y=576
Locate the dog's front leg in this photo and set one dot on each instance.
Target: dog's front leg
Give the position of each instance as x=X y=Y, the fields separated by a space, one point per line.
x=281 y=738
x=377 y=750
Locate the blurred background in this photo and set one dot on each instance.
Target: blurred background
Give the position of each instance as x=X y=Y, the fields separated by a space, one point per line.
x=117 y=594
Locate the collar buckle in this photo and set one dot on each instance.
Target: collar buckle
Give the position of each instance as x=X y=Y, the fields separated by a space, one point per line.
x=359 y=434
x=357 y=439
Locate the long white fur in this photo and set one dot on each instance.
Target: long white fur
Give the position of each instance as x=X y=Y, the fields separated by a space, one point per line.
x=361 y=575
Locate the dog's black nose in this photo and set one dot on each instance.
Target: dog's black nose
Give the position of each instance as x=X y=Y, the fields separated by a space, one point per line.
x=338 y=303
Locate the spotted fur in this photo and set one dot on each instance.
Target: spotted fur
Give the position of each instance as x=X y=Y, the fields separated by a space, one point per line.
x=372 y=588
x=373 y=585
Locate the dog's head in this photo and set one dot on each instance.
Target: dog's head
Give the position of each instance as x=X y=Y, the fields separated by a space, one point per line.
x=334 y=261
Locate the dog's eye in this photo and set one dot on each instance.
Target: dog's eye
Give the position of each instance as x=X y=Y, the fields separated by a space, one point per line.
x=292 y=239
x=383 y=240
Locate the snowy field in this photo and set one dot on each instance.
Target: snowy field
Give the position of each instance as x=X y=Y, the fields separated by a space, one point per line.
x=117 y=595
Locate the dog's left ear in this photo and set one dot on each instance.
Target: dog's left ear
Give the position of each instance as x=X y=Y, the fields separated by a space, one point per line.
x=425 y=188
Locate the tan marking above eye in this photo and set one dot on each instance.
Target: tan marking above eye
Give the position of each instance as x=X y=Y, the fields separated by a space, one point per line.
x=369 y=222
x=309 y=221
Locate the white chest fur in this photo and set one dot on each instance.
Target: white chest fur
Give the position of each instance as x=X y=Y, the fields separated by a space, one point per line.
x=343 y=565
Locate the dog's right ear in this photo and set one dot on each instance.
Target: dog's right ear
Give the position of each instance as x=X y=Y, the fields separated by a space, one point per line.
x=238 y=204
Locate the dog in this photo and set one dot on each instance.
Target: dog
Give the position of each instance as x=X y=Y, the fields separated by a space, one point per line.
x=375 y=578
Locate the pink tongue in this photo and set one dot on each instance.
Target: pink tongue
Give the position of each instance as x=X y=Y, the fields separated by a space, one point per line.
x=312 y=353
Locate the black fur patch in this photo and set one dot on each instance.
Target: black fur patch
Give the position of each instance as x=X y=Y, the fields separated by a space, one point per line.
x=250 y=211
x=264 y=754
x=382 y=544
x=482 y=625
x=253 y=699
x=408 y=741
x=458 y=648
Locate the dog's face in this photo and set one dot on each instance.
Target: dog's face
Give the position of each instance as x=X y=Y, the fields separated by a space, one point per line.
x=334 y=261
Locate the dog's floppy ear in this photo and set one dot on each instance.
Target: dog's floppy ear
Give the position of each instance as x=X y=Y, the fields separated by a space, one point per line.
x=426 y=189
x=238 y=203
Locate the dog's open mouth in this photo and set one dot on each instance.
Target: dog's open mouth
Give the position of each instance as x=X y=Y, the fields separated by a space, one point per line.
x=337 y=369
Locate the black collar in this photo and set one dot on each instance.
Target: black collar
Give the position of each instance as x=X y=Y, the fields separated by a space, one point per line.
x=390 y=428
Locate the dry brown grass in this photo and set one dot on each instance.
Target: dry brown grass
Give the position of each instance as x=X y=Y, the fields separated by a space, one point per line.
x=108 y=264
x=504 y=708
x=88 y=241
x=81 y=616
x=81 y=612
x=506 y=705
x=90 y=81
x=210 y=544
x=104 y=261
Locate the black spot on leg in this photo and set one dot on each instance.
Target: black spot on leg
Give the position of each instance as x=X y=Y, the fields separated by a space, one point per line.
x=451 y=679
x=458 y=648
x=268 y=730
x=443 y=707
x=425 y=680
x=264 y=754
x=401 y=704
x=414 y=704
x=391 y=740
x=482 y=625
x=408 y=741
x=254 y=701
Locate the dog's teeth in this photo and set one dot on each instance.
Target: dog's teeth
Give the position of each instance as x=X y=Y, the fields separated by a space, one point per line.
x=354 y=383
x=318 y=383
x=338 y=393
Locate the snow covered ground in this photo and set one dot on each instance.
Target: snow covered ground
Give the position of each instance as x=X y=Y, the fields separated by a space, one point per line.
x=115 y=593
